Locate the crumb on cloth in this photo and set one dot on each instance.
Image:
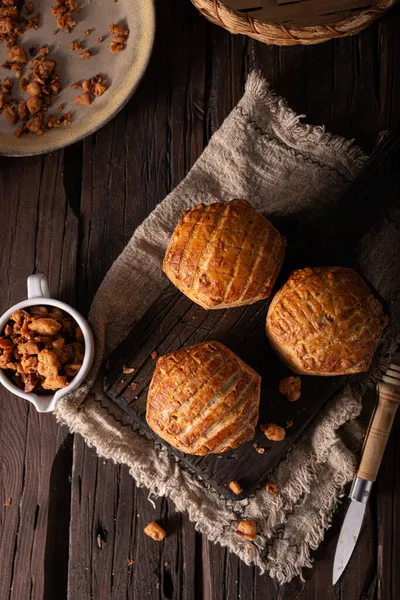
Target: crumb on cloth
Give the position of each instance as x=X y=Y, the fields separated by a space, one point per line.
x=271 y=488
x=247 y=529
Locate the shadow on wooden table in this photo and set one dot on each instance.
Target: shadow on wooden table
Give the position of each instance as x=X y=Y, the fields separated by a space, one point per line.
x=57 y=539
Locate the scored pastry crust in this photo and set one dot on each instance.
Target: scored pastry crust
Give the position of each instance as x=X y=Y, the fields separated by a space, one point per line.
x=203 y=399
x=325 y=321
x=224 y=255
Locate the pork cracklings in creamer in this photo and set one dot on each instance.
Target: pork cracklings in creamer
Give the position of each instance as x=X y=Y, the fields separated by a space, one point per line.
x=41 y=348
x=224 y=255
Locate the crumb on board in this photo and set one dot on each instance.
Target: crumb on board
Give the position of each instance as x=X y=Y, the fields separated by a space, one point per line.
x=273 y=432
x=154 y=355
x=155 y=531
x=261 y=450
x=166 y=564
x=86 y=32
x=291 y=388
x=236 y=487
x=8 y=502
x=100 y=39
x=289 y=423
x=130 y=562
x=271 y=488
x=134 y=385
x=127 y=370
x=247 y=529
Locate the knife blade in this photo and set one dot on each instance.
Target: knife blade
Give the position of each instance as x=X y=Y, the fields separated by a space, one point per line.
x=351 y=526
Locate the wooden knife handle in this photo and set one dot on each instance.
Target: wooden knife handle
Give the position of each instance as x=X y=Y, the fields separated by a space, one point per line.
x=381 y=424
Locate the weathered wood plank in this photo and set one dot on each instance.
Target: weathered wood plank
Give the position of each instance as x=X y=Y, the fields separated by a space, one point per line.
x=34 y=536
x=126 y=172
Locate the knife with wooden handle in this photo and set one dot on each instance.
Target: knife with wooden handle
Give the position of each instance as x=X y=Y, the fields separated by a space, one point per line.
x=374 y=446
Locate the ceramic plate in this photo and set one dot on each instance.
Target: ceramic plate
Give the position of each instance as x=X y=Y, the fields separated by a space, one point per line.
x=123 y=70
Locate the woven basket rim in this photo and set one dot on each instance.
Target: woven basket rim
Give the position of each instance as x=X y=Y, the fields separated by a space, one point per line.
x=276 y=33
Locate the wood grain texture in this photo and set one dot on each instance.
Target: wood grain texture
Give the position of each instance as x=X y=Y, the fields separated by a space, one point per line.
x=35 y=453
x=70 y=214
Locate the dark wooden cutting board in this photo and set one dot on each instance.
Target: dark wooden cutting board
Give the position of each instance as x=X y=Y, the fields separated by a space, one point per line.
x=173 y=322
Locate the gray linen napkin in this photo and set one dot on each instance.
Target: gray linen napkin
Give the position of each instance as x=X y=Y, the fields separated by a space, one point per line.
x=263 y=153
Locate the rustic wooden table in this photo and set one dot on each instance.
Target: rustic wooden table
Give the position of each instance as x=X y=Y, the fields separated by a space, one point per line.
x=74 y=520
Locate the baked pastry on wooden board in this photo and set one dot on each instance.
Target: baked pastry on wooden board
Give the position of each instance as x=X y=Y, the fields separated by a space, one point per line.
x=203 y=399
x=325 y=321
x=224 y=255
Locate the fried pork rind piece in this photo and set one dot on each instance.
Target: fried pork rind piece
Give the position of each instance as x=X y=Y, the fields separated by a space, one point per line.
x=273 y=432
x=45 y=326
x=55 y=383
x=48 y=363
x=291 y=388
x=247 y=529
x=155 y=531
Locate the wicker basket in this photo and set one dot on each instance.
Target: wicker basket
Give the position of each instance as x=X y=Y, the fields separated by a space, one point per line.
x=287 y=23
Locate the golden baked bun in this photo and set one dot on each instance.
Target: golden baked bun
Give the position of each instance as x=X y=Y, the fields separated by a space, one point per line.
x=203 y=399
x=224 y=255
x=325 y=321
